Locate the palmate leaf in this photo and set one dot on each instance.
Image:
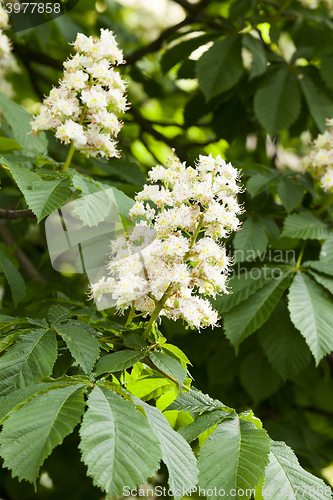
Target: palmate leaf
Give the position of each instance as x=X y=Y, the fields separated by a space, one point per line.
x=220 y=67
x=150 y=387
x=202 y=423
x=176 y=452
x=258 y=182
x=242 y=286
x=311 y=311
x=42 y=197
x=233 y=459
x=305 y=225
x=283 y=345
x=290 y=193
x=249 y=315
x=326 y=251
x=30 y=434
x=117 y=361
x=19 y=120
x=30 y=358
x=181 y=51
x=169 y=365
x=326 y=70
x=323 y=280
x=83 y=346
x=13 y=277
x=259 y=57
x=251 y=241
x=277 y=102
x=320 y=106
x=14 y=400
x=117 y=444
x=285 y=479
x=194 y=401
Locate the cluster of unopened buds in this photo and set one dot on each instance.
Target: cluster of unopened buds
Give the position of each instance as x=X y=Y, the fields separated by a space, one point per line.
x=84 y=109
x=8 y=62
x=173 y=258
x=319 y=160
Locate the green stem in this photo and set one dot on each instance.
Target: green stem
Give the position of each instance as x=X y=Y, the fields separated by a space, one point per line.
x=166 y=375
x=298 y=263
x=131 y=314
x=157 y=311
x=72 y=148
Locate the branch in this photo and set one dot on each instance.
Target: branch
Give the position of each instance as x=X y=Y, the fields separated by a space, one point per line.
x=146 y=126
x=28 y=267
x=6 y=213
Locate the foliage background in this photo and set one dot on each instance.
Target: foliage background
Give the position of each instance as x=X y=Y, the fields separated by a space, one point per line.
x=224 y=104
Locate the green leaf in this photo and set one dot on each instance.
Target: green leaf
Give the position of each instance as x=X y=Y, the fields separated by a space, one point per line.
x=290 y=193
x=311 y=311
x=15 y=400
x=30 y=434
x=305 y=225
x=117 y=444
x=8 y=145
x=121 y=167
x=194 y=401
x=242 y=286
x=14 y=278
x=92 y=209
x=83 y=346
x=277 y=102
x=134 y=340
x=283 y=345
x=58 y=313
x=150 y=387
x=249 y=315
x=258 y=377
x=252 y=238
x=326 y=70
x=30 y=358
x=285 y=479
x=176 y=352
x=326 y=251
x=182 y=51
x=169 y=365
x=257 y=183
x=320 y=106
x=233 y=458
x=323 y=280
x=176 y=452
x=202 y=423
x=320 y=265
x=42 y=197
x=117 y=361
x=19 y=120
x=220 y=67
x=259 y=57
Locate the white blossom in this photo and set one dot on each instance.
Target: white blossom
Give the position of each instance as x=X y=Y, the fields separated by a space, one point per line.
x=177 y=250
x=84 y=109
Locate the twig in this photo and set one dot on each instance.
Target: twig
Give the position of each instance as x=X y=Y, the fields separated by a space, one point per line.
x=157 y=44
x=28 y=267
x=6 y=213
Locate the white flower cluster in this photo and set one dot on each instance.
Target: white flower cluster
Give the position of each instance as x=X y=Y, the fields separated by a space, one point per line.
x=319 y=160
x=313 y=4
x=8 y=63
x=84 y=109
x=174 y=255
